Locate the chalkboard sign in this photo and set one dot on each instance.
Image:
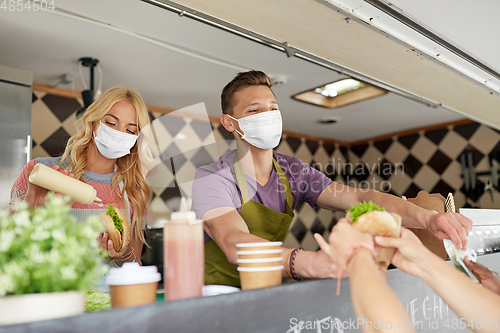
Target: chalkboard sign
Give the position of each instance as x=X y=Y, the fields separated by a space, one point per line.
x=309 y=306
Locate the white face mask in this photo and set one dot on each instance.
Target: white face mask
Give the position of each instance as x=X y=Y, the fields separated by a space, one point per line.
x=112 y=143
x=262 y=130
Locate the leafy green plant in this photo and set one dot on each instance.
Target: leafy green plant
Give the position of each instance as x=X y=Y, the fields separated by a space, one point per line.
x=46 y=250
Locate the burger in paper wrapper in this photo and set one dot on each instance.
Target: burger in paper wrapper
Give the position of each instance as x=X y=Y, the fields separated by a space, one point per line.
x=374 y=220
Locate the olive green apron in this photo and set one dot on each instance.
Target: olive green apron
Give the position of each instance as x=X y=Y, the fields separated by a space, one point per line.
x=261 y=221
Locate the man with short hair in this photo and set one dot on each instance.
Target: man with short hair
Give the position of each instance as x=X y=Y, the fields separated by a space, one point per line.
x=249 y=194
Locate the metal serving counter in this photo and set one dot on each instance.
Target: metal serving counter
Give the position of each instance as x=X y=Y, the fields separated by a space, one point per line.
x=277 y=309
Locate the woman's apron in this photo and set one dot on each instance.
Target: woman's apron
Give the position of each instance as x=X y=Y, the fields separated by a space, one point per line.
x=261 y=221
x=81 y=216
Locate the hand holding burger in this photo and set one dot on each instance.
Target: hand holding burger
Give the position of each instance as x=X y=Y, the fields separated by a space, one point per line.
x=341 y=238
x=117 y=232
x=369 y=218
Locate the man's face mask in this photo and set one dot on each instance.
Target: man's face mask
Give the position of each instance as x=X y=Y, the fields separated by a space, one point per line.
x=112 y=143
x=262 y=130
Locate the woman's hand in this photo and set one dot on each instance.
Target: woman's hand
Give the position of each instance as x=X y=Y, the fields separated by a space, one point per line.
x=489 y=279
x=343 y=235
x=107 y=245
x=37 y=196
x=410 y=256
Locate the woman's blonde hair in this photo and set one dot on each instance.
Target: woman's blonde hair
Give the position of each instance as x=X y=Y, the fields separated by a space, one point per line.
x=128 y=167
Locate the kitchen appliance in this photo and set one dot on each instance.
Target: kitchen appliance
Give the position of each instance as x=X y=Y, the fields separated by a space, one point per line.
x=485 y=234
x=15 y=127
x=153 y=255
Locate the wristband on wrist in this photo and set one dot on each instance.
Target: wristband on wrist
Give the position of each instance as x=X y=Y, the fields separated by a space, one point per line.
x=287 y=264
x=293 y=255
x=124 y=258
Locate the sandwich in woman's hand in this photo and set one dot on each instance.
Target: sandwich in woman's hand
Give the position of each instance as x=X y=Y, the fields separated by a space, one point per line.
x=117 y=227
x=369 y=218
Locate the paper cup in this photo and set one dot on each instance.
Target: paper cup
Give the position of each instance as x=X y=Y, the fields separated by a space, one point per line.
x=133 y=294
x=260 y=277
x=261 y=262
x=257 y=254
x=132 y=285
x=259 y=246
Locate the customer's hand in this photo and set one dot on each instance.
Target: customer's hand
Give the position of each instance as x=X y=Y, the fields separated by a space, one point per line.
x=489 y=279
x=410 y=255
x=343 y=235
x=37 y=196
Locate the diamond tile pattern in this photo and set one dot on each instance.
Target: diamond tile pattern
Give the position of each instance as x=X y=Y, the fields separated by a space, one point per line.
x=298 y=230
x=317 y=227
x=62 y=107
x=202 y=128
x=439 y=162
x=202 y=157
x=172 y=124
x=411 y=166
x=431 y=159
x=383 y=145
x=466 y=130
x=359 y=150
x=436 y=135
x=293 y=142
x=408 y=140
x=423 y=149
x=172 y=152
x=56 y=143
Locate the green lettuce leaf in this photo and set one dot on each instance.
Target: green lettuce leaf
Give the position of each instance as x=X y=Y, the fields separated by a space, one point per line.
x=362 y=207
x=116 y=219
x=97 y=301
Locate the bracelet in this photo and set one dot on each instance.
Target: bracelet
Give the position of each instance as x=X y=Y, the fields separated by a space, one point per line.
x=125 y=257
x=349 y=253
x=292 y=264
x=287 y=264
x=128 y=255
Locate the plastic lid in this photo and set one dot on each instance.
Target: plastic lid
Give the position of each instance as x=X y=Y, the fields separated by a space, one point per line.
x=259 y=244
x=259 y=252
x=183 y=216
x=132 y=273
x=257 y=261
x=158 y=224
x=260 y=269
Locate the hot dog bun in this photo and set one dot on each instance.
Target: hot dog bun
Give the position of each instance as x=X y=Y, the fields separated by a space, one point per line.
x=120 y=239
x=378 y=223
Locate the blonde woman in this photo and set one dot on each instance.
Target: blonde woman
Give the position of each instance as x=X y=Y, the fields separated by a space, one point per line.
x=105 y=154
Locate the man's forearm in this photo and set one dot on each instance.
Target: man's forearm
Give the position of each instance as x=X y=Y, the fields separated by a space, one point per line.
x=413 y=216
x=228 y=245
x=341 y=197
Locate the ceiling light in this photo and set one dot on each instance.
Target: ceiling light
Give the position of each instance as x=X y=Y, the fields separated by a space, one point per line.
x=339 y=93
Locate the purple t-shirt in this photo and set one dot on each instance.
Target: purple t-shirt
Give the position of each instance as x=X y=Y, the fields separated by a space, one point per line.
x=215 y=185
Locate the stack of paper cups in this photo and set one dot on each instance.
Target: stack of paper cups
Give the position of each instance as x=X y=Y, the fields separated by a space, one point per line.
x=259 y=264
